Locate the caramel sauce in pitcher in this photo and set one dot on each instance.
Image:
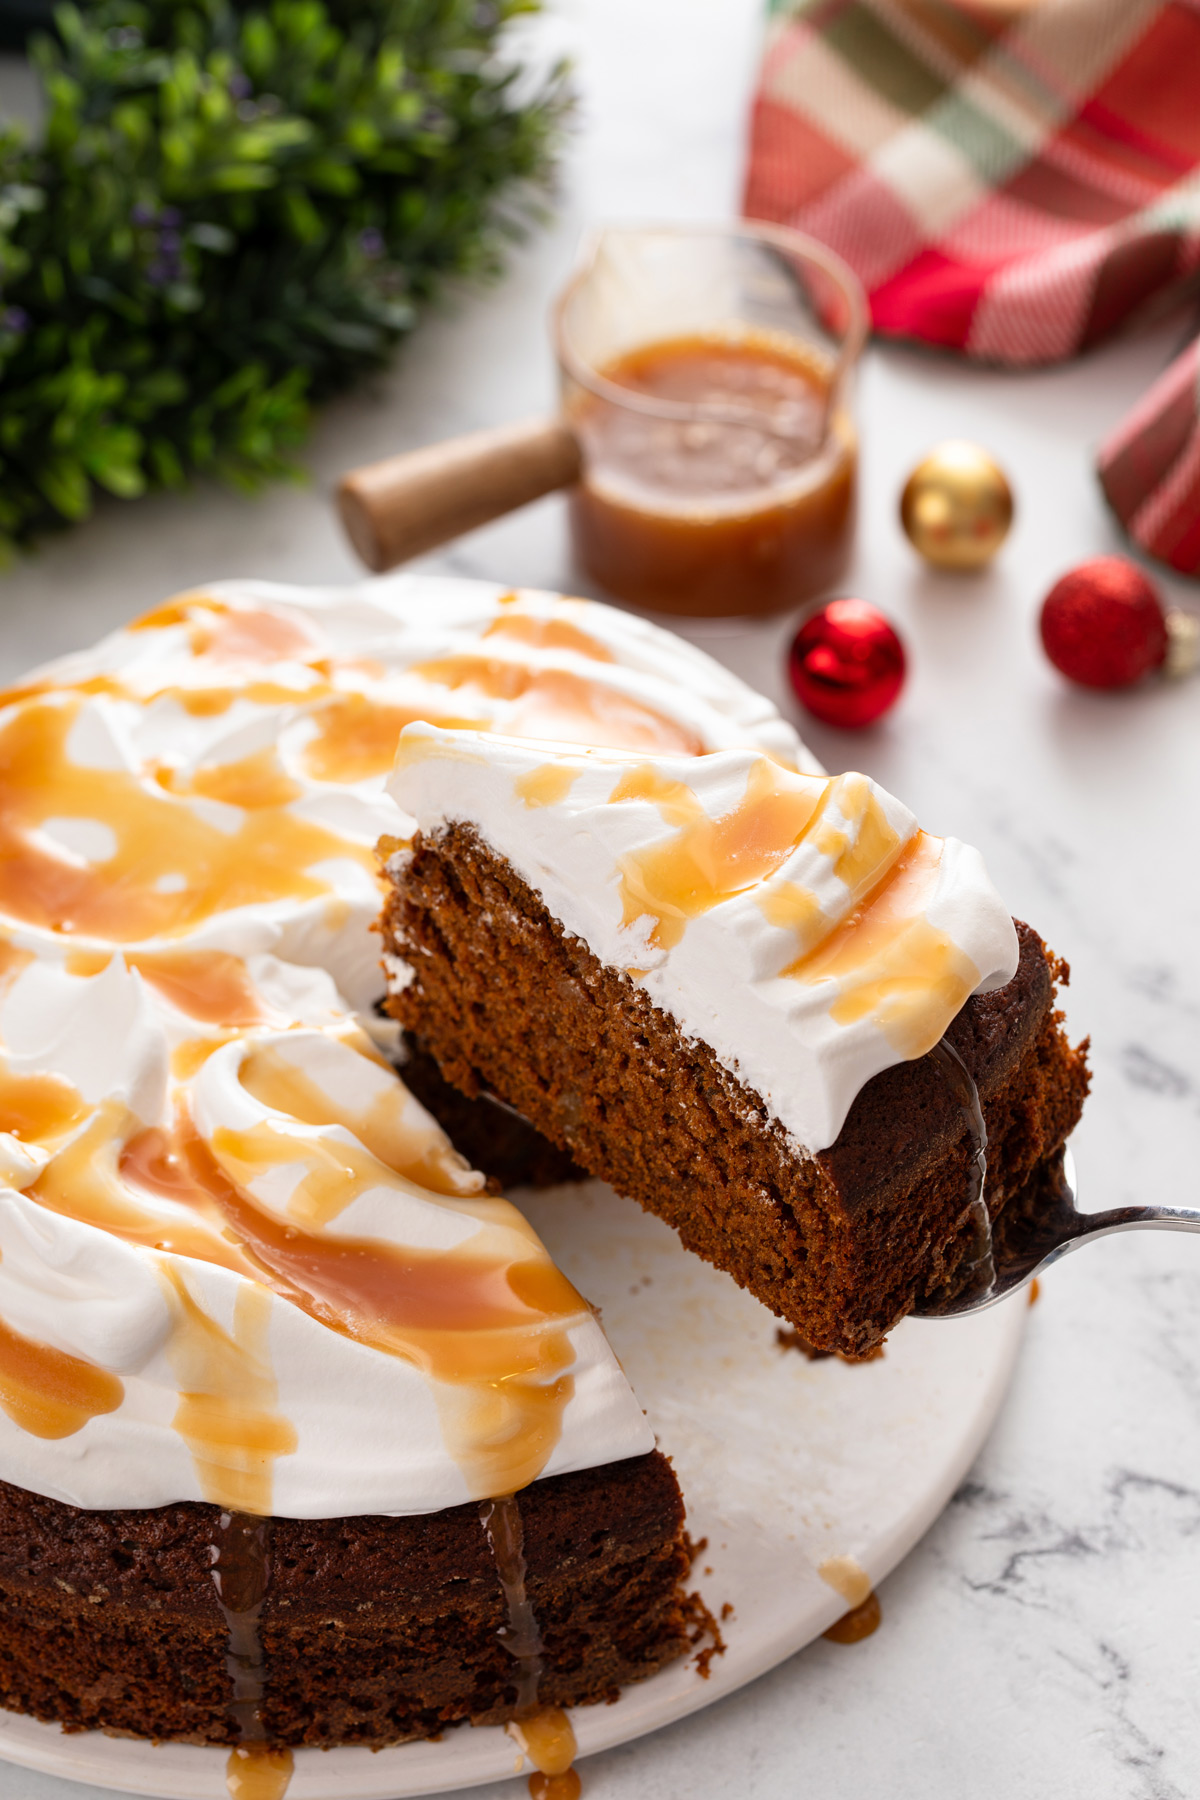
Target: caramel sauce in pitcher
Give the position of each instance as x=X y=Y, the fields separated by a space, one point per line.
x=745 y=506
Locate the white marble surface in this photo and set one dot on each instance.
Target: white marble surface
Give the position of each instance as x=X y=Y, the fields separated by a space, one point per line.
x=1044 y=1638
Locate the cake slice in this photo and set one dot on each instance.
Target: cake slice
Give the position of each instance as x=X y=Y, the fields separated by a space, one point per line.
x=763 y=1004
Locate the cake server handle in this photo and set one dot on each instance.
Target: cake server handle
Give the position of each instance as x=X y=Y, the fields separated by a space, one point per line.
x=407 y=504
x=1023 y=1248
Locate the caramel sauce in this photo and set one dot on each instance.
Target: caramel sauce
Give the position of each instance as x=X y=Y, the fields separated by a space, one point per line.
x=567 y=1786
x=49 y=1393
x=211 y=986
x=547 y=785
x=356 y=736
x=263 y=858
x=846 y=1577
x=487 y=1325
x=543 y=1733
x=244 y=635
x=38 y=1109
x=890 y=963
x=254 y=782
x=241 y=1572
x=505 y=1532
x=257 y=1772
x=976 y=1268
x=407 y=1148
x=709 y=859
x=864 y=847
x=549 y=634
x=745 y=506
x=859 y=1623
x=563 y=706
x=90 y=1180
x=228 y=1396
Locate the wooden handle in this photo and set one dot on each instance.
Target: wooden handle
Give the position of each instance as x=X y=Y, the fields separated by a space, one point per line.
x=407 y=504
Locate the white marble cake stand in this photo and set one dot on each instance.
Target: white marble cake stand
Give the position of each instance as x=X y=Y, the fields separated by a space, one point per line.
x=783 y=1463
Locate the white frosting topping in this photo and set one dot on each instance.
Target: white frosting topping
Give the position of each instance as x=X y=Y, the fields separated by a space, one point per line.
x=802 y=927
x=238 y=1262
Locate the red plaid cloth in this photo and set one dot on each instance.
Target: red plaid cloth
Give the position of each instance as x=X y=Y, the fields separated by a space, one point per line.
x=1010 y=179
x=1150 y=466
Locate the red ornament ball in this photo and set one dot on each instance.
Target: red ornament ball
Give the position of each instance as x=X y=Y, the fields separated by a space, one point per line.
x=1103 y=624
x=846 y=664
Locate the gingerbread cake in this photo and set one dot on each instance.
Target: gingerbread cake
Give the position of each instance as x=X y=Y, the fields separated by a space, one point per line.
x=763 y=1003
x=304 y=1439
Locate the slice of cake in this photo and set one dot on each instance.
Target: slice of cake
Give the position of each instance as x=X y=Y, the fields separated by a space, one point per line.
x=764 y=1004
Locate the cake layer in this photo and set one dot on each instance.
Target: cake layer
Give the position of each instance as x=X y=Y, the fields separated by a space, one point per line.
x=373 y=1630
x=840 y=1243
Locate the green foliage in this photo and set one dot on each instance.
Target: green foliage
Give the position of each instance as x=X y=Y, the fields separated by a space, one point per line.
x=235 y=209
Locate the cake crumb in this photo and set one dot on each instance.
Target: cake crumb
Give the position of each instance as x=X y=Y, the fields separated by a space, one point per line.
x=702 y=1625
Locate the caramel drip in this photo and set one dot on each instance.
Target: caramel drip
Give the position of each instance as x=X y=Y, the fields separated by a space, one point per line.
x=549 y=634
x=212 y=986
x=565 y=707
x=505 y=1533
x=846 y=1577
x=241 y=1572
x=547 y=785
x=890 y=963
x=228 y=1396
x=38 y=1109
x=161 y=841
x=409 y=1147
x=859 y=1623
x=49 y=1393
x=543 y=1733
x=356 y=736
x=976 y=1269
x=707 y=859
x=566 y=1786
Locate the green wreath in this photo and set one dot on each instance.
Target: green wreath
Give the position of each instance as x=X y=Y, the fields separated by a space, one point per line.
x=234 y=210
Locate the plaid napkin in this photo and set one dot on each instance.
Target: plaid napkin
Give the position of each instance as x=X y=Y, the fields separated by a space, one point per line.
x=1150 y=466
x=1010 y=180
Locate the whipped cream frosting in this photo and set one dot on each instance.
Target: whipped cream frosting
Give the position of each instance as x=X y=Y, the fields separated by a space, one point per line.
x=238 y=1261
x=803 y=927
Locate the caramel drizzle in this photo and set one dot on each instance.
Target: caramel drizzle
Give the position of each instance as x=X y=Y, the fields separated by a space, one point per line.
x=172 y=869
x=977 y=1271
x=883 y=957
x=488 y=1323
x=561 y=705
x=543 y=1733
x=241 y=1572
x=49 y=1393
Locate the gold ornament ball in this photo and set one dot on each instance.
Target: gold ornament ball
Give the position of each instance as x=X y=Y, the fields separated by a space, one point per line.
x=957 y=506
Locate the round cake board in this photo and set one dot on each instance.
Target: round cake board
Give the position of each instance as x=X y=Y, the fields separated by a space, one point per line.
x=784 y=1463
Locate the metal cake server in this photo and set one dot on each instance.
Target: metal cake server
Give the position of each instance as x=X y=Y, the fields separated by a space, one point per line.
x=1022 y=1247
